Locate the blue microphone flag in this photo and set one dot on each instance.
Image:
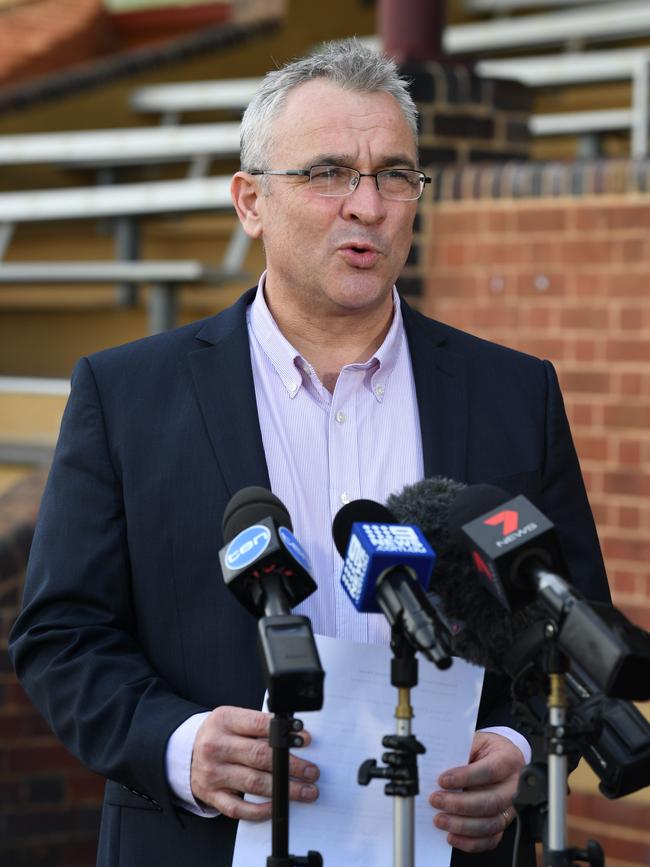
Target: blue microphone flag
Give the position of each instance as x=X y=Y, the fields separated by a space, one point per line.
x=375 y=548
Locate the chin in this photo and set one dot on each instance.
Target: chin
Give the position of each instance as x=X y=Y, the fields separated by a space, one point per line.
x=365 y=292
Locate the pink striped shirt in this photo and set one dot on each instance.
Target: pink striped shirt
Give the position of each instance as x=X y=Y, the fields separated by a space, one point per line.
x=324 y=449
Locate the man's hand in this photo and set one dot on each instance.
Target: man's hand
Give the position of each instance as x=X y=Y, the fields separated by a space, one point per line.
x=477 y=816
x=232 y=757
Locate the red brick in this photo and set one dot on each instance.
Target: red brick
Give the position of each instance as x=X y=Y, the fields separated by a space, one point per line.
x=499 y=221
x=456 y=222
x=629 y=517
x=84 y=788
x=580 y=413
x=591 y=218
x=587 y=350
x=39 y=757
x=627 y=416
x=591 y=448
x=632 y=318
x=625 y=583
x=585 y=381
x=451 y=284
x=628 y=483
x=543 y=254
x=628 y=350
x=630 y=383
x=585 y=317
x=451 y=253
x=617 y=812
x=496 y=253
x=631 y=251
x=589 y=285
x=626 y=549
x=627 y=284
x=629 y=452
x=541 y=220
x=585 y=251
x=545 y=347
x=537 y=317
x=540 y=284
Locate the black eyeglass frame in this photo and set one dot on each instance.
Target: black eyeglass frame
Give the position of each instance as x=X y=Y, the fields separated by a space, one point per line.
x=306 y=173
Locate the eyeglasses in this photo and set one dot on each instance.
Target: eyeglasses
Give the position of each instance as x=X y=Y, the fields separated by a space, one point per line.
x=399 y=185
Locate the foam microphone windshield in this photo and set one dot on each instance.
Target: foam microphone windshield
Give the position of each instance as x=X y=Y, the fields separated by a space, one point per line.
x=483 y=631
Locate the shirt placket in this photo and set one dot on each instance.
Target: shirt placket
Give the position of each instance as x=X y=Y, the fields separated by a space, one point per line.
x=345 y=483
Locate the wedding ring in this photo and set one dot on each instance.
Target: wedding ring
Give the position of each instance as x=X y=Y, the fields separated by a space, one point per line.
x=506 y=815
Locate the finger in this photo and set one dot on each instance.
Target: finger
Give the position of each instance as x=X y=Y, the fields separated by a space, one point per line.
x=470 y=826
x=256 y=753
x=252 y=781
x=484 y=772
x=233 y=806
x=474 y=802
x=474 y=844
x=242 y=721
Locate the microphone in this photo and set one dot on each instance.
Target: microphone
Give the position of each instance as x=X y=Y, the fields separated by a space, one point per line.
x=265 y=567
x=487 y=633
x=263 y=563
x=480 y=629
x=516 y=553
x=386 y=566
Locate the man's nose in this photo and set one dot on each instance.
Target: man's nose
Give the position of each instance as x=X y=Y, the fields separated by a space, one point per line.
x=365 y=203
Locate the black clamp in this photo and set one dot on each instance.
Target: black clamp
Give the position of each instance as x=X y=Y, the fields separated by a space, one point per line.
x=401 y=766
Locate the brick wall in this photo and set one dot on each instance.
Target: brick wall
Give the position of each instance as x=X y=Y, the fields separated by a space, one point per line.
x=566 y=276
x=49 y=803
x=463 y=119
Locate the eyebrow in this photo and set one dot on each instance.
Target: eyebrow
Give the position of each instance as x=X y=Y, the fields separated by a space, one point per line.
x=390 y=160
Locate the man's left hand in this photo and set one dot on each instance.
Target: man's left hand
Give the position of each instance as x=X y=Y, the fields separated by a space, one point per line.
x=477 y=816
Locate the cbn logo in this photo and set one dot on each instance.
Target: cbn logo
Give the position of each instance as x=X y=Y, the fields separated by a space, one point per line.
x=247 y=546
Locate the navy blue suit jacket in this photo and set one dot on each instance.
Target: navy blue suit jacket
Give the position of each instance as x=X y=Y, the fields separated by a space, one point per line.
x=127 y=628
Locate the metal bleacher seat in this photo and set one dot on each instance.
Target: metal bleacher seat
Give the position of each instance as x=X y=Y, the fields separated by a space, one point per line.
x=124 y=204
x=171 y=100
x=597 y=22
x=580 y=25
x=573 y=68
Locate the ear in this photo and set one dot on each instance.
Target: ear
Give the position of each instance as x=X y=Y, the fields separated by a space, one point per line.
x=245 y=193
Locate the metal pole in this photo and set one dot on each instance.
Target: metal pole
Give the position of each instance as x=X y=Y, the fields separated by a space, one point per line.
x=404 y=807
x=640 y=108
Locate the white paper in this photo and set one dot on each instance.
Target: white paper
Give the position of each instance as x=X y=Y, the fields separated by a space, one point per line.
x=352 y=825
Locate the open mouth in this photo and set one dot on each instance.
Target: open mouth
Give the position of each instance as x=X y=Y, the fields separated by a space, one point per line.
x=360 y=255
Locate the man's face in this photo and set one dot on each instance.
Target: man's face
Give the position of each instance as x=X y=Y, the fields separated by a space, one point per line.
x=336 y=255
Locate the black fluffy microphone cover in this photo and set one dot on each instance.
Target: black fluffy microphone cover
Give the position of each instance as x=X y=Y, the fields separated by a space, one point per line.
x=487 y=630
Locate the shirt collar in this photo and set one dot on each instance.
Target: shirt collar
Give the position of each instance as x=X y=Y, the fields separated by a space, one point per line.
x=291 y=366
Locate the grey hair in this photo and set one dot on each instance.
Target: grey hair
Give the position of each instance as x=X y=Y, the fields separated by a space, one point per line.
x=347 y=63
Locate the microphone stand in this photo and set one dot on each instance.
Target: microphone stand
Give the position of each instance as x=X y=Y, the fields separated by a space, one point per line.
x=541 y=798
x=401 y=759
x=294 y=679
x=283 y=736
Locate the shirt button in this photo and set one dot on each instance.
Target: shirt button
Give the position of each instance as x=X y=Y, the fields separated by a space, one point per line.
x=293 y=386
x=379 y=391
x=344 y=498
x=340 y=417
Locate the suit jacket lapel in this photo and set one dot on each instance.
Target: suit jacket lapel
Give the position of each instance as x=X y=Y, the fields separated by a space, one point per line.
x=441 y=388
x=223 y=378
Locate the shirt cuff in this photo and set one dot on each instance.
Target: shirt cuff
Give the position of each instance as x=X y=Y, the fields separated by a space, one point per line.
x=178 y=766
x=514 y=737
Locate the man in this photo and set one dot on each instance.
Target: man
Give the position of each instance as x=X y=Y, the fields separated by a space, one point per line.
x=320 y=385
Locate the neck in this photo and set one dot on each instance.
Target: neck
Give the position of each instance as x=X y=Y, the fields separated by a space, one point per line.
x=328 y=344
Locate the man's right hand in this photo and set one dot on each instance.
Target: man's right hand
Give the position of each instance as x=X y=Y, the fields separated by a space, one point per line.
x=232 y=756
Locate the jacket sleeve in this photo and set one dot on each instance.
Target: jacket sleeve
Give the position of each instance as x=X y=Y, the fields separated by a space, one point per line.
x=74 y=645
